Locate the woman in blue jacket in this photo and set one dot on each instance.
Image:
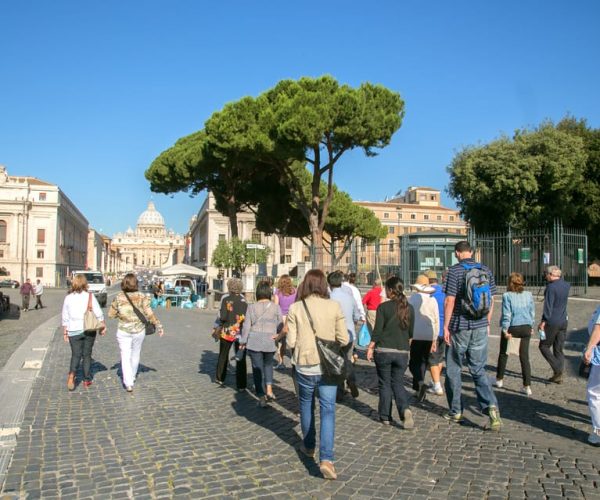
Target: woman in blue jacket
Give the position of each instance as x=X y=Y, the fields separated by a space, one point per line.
x=518 y=314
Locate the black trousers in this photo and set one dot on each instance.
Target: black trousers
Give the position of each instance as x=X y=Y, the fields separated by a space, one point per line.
x=391 y=367
x=419 y=356
x=522 y=332
x=552 y=347
x=38 y=302
x=223 y=361
x=81 y=346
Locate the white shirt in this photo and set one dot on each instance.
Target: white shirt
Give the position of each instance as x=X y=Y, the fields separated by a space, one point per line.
x=74 y=308
x=38 y=289
x=357 y=299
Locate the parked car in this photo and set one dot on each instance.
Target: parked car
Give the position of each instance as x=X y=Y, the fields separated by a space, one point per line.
x=9 y=283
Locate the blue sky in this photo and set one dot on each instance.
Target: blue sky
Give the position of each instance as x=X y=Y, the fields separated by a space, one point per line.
x=92 y=92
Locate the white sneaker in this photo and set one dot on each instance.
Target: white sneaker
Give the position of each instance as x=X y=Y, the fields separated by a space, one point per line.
x=438 y=392
x=594 y=438
x=499 y=383
x=526 y=390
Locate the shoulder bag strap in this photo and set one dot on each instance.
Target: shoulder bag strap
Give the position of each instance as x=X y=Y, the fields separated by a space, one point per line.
x=89 y=306
x=310 y=320
x=137 y=312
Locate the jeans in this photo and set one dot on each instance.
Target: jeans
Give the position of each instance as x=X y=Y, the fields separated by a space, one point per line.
x=419 y=356
x=472 y=344
x=391 y=367
x=262 y=370
x=524 y=333
x=81 y=346
x=307 y=385
x=130 y=345
x=593 y=396
x=223 y=361
x=555 y=340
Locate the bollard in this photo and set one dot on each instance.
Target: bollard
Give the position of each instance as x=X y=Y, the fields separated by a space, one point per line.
x=210 y=299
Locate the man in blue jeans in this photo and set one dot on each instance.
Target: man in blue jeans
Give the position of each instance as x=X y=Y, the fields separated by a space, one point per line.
x=467 y=338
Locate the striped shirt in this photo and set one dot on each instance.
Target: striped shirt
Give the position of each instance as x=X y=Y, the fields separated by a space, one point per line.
x=454 y=286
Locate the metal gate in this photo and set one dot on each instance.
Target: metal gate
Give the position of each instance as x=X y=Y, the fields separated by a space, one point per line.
x=530 y=252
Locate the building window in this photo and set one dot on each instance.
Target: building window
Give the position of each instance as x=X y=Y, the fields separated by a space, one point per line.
x=392 y=229
x=256 y=236
x=40 y=254
x=386 y=215
x=426 y=217
x=451 y=218
x=413 y=216
x=363 y=260
x=221 y=237
x=41 y=236
x=39 y=272
x=282 y=259
x=307 y=258
x=391 y=245
x=439 y=217
x=399 y=215
x=42 y=196
x=432 y=197
x=288 y=243
x=1 y=254
x=347 y=260
x=2 y=231
x=288 y=259
x=363 y=245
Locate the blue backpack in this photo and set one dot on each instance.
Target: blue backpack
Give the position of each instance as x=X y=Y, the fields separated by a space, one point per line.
x=477 y=297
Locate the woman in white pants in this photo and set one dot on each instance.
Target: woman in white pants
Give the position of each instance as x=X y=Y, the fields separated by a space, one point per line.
x=591 y=356
x=131 y=331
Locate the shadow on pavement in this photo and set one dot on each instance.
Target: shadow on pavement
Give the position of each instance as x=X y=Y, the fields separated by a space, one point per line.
x=273 y=420
x=141 y=369
x=208 y=364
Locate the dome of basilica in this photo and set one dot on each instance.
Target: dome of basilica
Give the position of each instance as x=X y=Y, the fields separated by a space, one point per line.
x=150 y=217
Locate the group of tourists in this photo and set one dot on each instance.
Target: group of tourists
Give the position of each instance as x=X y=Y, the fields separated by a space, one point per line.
x=130 y=307
x=437 y=324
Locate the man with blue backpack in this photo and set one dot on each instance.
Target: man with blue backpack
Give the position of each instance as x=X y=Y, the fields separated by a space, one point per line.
x=469 y=289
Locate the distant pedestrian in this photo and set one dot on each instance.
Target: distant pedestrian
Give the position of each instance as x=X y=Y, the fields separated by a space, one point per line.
x=351 y=316
x=517 y=320
x=260 y=331
x=591 y=356
x=371 y=301
x=467 y=314
x=315 y=315
x=436 y=358
x=74 y=307
x=38 y=290
x=389 y=347
x=554 y=322
x=26 y=292
x=425 y=333
x=131 y=331
x=285 y=296
x=229 y=328
x=350 y=284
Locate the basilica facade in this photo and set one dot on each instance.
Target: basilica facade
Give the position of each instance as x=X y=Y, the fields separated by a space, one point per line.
x=150 y=245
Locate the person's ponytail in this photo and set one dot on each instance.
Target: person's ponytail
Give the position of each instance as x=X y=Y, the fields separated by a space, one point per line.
x=396 y=288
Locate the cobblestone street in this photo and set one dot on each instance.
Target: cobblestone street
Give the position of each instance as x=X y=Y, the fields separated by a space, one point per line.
x=182 y=436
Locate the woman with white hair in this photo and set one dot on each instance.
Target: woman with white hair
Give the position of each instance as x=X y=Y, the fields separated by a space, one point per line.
x=230 y=321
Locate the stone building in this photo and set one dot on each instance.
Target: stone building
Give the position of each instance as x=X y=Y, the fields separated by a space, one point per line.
x=150 y=245
x=42 y=233
x=102 y=255
x=209 y=226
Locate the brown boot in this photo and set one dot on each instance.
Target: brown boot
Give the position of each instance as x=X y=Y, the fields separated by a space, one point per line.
x=71 y=381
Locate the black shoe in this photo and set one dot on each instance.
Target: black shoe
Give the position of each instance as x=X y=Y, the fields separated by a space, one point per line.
x=422 y=394
x=353 y=389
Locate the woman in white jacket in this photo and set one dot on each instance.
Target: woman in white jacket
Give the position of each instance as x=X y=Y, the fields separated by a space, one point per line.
x=82 y=342
x=426 y=330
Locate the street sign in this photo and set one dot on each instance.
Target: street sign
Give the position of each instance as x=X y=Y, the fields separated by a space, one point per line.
x=255 y=246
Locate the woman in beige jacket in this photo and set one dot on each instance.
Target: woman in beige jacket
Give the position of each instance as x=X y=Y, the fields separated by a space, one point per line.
x=329 y=324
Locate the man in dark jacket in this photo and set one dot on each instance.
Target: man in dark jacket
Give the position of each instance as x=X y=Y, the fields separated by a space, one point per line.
x=554 y=322
x=26 y=292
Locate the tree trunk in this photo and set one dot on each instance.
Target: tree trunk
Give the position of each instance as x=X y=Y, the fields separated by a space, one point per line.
x=316 y=235
x=281 y=240
x=232 y=214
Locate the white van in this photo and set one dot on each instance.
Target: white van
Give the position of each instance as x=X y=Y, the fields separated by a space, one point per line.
x=96 y=285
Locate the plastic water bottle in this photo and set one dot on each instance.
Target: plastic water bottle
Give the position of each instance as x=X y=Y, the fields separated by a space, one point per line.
x=542 y=334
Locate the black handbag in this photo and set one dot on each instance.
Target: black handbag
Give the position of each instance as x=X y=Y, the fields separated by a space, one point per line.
x=148 y=325
x=584 y=369
x=333 y=362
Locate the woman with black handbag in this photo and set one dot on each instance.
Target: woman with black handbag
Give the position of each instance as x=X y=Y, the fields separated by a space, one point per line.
x=316 y=327
x=133 y=310
x=389 y=347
